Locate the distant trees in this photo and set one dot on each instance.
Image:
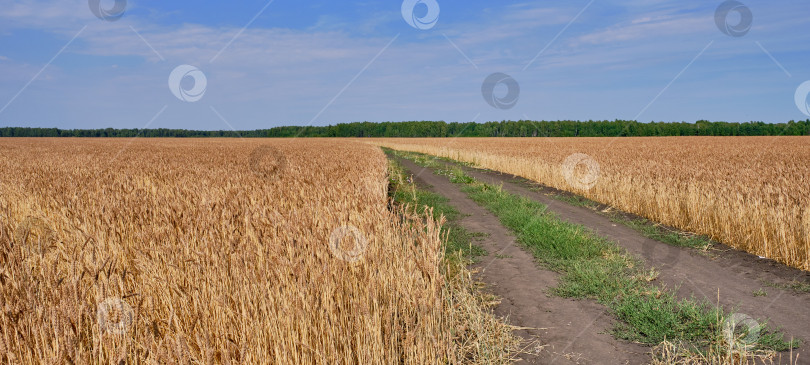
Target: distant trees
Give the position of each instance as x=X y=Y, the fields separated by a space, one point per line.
x=521 y=128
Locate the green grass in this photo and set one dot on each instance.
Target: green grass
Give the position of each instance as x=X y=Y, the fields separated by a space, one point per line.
x=646 y=227
x=595 y=268
x=455 y=174
x=795 y=285
x=660 y=233
x=458 y=239
x=592 y=267
x=575 y=200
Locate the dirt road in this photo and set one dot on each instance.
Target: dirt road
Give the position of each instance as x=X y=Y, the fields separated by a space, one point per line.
x=575 y=331
x=735 y=275
x=567 y=331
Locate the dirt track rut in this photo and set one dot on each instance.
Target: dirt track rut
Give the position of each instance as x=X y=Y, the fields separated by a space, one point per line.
x=733 y=274
x=567 y=331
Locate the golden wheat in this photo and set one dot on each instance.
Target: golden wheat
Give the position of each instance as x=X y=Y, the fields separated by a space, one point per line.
x=217 y=251
x=748 y=192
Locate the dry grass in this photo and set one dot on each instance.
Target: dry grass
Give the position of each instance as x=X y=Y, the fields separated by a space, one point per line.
x=669 y=353
x=218 y=251
x=748 y=192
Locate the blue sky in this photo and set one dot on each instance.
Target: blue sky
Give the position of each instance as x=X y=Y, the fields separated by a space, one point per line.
x=288 y=62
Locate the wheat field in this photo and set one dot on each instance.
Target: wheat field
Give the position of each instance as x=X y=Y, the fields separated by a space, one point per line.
x=219 y=252
x=752 y=193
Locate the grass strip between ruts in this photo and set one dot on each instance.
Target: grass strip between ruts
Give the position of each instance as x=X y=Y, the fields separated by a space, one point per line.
x=593 y=267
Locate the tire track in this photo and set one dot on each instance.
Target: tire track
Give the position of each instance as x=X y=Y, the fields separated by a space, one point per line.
x=568 y=331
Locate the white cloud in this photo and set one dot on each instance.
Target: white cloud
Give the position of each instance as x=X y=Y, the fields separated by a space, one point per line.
x=649 y=28
x=44 y=14
x=273 y=75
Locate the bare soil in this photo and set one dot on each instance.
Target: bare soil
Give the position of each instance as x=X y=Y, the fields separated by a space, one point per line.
x=722 y=275
x=562 y=331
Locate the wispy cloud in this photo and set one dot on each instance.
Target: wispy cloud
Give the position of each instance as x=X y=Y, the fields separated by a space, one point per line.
x=604 y=66
x=647 y=27
x=44 y=14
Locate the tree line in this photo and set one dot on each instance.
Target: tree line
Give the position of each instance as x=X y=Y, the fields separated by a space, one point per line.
x=522 y=128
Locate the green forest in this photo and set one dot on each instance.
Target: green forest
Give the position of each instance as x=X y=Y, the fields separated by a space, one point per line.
x=522 y=128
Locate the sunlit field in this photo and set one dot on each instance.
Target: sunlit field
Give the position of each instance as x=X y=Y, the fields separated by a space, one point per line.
x=215 y=251
x=748 y=192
